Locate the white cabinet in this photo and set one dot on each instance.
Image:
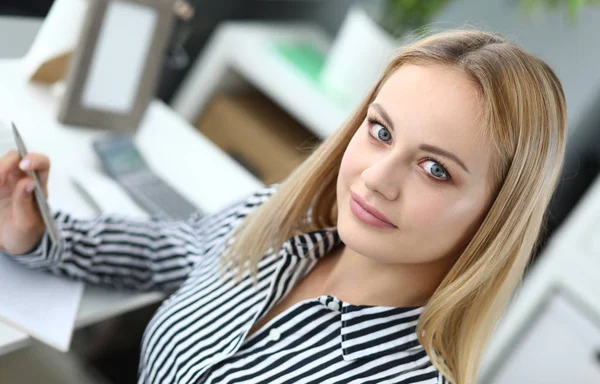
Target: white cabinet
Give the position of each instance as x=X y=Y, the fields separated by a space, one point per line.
x=545 y=338
x=561 y=345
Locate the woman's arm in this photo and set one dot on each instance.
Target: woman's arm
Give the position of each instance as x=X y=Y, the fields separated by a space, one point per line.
x=134 y=254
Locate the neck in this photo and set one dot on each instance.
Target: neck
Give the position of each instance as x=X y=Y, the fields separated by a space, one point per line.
x=359 y=280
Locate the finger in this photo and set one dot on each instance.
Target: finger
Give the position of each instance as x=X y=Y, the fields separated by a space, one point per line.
x=25 y=210
x=39 y=163
x=8 y=163
x=35 y=162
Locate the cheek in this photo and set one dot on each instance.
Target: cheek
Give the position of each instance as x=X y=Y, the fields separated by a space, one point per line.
x=457 y=221
x=426 y=208
x=350 y=163
x=429 y=211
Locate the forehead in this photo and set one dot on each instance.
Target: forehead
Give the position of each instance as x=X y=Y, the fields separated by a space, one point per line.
x=450 y=98
x=437 y=105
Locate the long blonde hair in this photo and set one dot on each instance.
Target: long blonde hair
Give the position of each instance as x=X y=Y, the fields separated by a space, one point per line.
x=524 y=115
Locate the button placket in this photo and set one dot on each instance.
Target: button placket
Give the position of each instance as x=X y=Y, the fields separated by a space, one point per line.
x=331 y=302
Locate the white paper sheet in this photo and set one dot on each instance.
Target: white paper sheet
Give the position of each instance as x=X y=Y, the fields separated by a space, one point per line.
x=43 y=305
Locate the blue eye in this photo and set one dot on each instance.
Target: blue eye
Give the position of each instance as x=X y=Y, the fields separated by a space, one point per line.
x=437 y=169
x=382 y=133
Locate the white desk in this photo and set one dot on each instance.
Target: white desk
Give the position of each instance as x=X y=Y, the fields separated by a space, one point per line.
x=173 y=148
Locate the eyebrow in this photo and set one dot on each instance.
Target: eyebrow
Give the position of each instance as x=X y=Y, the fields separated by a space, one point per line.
x=425 y=147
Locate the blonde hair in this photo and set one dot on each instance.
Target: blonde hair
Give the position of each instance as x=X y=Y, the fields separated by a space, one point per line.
x=524 y=116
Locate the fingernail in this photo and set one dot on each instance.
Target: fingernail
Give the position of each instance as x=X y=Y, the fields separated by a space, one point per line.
x=30 y=187
x=24 y=164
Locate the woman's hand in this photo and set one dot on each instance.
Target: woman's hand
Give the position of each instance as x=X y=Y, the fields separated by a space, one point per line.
x=21 y=223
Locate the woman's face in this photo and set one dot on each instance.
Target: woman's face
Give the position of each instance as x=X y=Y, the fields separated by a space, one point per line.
x=419 y=159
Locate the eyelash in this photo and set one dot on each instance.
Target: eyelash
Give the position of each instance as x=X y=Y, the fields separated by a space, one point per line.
x=373 y=121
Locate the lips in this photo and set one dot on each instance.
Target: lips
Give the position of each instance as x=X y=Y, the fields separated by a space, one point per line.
x=369 y=213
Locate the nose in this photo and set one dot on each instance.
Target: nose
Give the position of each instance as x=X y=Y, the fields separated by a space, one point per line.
x=384 y=176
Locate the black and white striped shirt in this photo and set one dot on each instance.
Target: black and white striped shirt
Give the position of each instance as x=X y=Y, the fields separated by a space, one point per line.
x=198 y=335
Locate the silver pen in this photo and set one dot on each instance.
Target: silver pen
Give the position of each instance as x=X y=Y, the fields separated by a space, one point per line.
x=49 y=221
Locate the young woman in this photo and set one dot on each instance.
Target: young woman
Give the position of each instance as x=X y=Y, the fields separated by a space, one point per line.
x=386 y=257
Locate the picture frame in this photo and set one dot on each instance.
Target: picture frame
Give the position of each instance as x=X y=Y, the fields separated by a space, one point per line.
x=114 y=70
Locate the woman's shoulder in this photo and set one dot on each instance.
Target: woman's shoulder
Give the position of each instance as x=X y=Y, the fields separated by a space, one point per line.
x=257 y=197
x=263 y=193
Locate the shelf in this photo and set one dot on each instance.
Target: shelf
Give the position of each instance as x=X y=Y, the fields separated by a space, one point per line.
x=249 y=49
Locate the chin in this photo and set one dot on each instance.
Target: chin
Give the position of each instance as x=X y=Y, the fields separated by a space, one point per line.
x=354 y=234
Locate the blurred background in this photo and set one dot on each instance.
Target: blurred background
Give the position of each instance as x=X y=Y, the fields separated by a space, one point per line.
x=262 y=115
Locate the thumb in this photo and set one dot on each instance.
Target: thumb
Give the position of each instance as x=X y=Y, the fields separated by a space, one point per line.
x=25 y=210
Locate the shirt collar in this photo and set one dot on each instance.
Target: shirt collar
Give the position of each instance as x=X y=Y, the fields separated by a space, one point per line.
x=366 y=331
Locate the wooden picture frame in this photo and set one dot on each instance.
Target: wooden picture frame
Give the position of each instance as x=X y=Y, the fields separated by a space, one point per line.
x=115 y=68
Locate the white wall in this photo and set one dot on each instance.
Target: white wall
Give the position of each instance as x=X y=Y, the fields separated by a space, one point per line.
x=573 y=51
x=16 y=35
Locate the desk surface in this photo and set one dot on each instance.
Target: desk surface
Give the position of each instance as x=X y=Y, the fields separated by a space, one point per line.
x=171 y=146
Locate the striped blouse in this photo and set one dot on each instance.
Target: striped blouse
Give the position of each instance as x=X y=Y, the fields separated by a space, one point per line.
x=199 y=333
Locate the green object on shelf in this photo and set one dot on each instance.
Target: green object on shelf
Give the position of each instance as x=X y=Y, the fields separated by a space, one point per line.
x=304 y=57
x=309 y=61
